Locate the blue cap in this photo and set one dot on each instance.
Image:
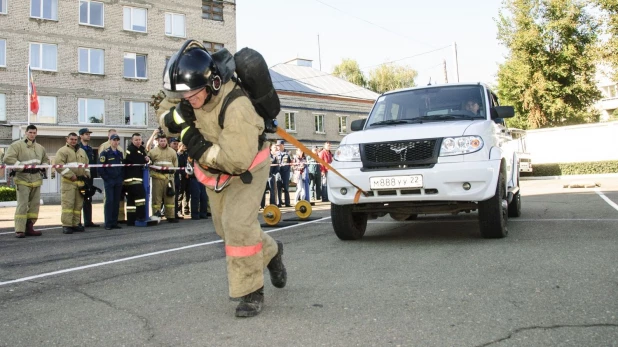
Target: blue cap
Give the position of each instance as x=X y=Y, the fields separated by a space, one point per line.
x=173 y=139
x=83 y=131
x=115 y=137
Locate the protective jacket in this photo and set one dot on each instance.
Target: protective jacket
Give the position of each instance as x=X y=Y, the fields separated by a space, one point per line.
x=26 y=152
x=163 y=157
x=134 y=155
x=70 y=157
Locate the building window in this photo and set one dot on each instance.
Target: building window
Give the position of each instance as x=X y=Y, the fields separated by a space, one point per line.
x=91 y=111
x=44 y=9
x=91 y=60
x=212 y=47
x=48 y=110
x=135 y=113
x=290 y=121
x=175 y=24
x=212 y=10
x=43 y=56
x=2 y=52
x=2 y=107
x=134 y=65
x=91 y=13
x=609 y=91
x=3 y=6
x=134 y=19
x=319 y=123
x=343 y=124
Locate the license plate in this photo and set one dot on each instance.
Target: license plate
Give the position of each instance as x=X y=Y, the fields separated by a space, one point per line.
x=396 y=182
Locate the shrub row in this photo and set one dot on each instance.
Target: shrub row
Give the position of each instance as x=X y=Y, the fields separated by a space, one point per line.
x=7 y=194
x=585 y=168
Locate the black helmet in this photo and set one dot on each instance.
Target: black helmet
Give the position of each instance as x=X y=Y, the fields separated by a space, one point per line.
x=191 y=68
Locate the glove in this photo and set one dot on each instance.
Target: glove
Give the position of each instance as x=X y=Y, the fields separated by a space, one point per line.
x=195 y=142
x=186 y=110
x=174 y=120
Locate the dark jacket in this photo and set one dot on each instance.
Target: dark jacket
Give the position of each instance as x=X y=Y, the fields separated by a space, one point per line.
x=109 y=174
x=134 y=155
x=183 y=159
x=91 y=159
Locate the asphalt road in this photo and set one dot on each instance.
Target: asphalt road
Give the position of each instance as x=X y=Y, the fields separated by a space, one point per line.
x=432 y=282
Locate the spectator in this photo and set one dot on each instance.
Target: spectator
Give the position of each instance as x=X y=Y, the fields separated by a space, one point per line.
x=73 y=179
x=327 y=156
x=285 y=161
x=184 y=195
x=28 y=182
x=199 y=199
x=134 y=180
x=315 y=176
x=84 y=143
x=105 y=145
x=163 y=180
x=177 y=204
x=271 y=185
x=301 y=176
x=112 y=180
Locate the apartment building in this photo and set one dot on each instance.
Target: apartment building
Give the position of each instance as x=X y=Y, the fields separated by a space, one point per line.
x=96 y=64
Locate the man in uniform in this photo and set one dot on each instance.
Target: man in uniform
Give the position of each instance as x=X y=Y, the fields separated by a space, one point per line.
x=237 y=166
x=73 y=178
x=177 y=206
x=285 y=161
x=133 y=180
x=84 y=140
x=184 y=191
x=112 y=180
x=27 y=181
x=163 y=156
x=105 y=145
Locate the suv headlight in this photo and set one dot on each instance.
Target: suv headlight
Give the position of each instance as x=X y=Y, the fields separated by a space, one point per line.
x=348 y=153
x=460 y=145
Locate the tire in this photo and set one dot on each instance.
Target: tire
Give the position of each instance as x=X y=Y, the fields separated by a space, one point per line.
x=492 y=214
x=515 y=206
x=347 y=224
x=412 y=217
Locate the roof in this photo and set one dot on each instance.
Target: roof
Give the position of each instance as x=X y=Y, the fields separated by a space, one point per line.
x=304 y=79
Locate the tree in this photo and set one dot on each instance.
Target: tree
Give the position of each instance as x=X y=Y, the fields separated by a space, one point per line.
x=388 y=77
x=351 y=72
x=609 y=11
x=549 y=72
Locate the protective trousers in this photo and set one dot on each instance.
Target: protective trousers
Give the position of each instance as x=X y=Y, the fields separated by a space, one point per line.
x=72 y=202
x=87 y=208
x=27 y=206
x=136 y=202
x=159 y=196
x=247 y=248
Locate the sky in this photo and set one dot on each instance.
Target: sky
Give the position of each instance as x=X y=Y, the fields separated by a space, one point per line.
x=413 y=33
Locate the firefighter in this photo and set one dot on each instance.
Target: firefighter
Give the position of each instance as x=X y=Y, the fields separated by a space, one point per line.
x=163 y=180
x=133 y=180
x=238 y=165
x=105 y=145
x=84 y=143
x=28 y=182
x=73 y=179
x=112 y=181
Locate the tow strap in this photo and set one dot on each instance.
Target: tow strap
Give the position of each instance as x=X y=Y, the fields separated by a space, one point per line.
x=289 y=138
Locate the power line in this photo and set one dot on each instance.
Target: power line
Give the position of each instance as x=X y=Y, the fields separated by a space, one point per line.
x=412 y=56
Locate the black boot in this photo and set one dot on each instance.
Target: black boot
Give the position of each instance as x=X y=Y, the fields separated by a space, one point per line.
x=67 y=230
x=278 y=275
x=251 y=304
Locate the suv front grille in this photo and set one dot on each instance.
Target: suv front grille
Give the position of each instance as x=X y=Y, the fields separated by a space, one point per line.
x=400 y=154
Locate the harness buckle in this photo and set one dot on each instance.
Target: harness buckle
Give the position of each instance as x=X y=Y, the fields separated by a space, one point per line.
x=223 y=185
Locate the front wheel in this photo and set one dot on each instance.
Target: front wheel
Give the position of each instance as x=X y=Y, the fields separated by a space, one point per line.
x=348 y=225
x=493 y=212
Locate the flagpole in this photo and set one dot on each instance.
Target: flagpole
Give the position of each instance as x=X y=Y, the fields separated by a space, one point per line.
x=28 y=101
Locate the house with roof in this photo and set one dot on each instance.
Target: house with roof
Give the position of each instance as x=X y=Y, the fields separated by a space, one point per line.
x=316 y=106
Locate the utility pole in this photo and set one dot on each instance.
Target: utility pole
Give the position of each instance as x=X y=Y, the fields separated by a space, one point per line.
x=445 y=74
x=456 y=61
x=319 y=53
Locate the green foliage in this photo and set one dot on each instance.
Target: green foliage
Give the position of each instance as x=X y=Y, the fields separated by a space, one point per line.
x=585 y=168
x=549 y=73
x=383 y=78
x=351 y=72
x=8 y=194
x=609 y=16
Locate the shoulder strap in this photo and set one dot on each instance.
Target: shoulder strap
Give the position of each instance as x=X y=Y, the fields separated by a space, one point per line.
x=233 y=95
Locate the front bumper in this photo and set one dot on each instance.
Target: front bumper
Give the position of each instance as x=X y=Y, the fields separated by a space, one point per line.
x=443 y=182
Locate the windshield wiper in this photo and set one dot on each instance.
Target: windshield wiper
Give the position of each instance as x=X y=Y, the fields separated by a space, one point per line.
x=390 y=122
x=449 y=117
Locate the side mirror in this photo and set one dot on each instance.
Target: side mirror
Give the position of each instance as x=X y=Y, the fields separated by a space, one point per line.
x=358 y=124
x=502 y=112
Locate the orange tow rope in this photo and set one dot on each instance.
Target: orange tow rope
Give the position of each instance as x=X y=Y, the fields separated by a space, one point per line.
x=289 y=138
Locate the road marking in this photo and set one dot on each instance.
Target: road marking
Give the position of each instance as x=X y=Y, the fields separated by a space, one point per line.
x=607 y=200
x=47 y=274
x=12 y=232
x=510 y=220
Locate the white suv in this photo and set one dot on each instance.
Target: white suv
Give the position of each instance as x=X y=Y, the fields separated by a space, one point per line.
x=428 y=150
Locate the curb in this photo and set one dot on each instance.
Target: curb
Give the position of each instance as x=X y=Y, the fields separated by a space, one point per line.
x=541 y=178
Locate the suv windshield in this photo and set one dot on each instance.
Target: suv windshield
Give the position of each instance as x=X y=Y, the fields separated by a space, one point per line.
x=432 y=104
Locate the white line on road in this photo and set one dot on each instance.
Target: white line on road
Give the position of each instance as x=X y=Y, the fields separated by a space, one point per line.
x=607 y=200
x=474 y=220
x=23 y=279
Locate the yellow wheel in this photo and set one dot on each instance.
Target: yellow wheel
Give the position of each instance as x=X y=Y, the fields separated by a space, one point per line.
x=303 y=209
x=271 y=215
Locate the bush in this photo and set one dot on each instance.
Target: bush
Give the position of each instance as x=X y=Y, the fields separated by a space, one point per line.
x=585 y=168
x=8 y=194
